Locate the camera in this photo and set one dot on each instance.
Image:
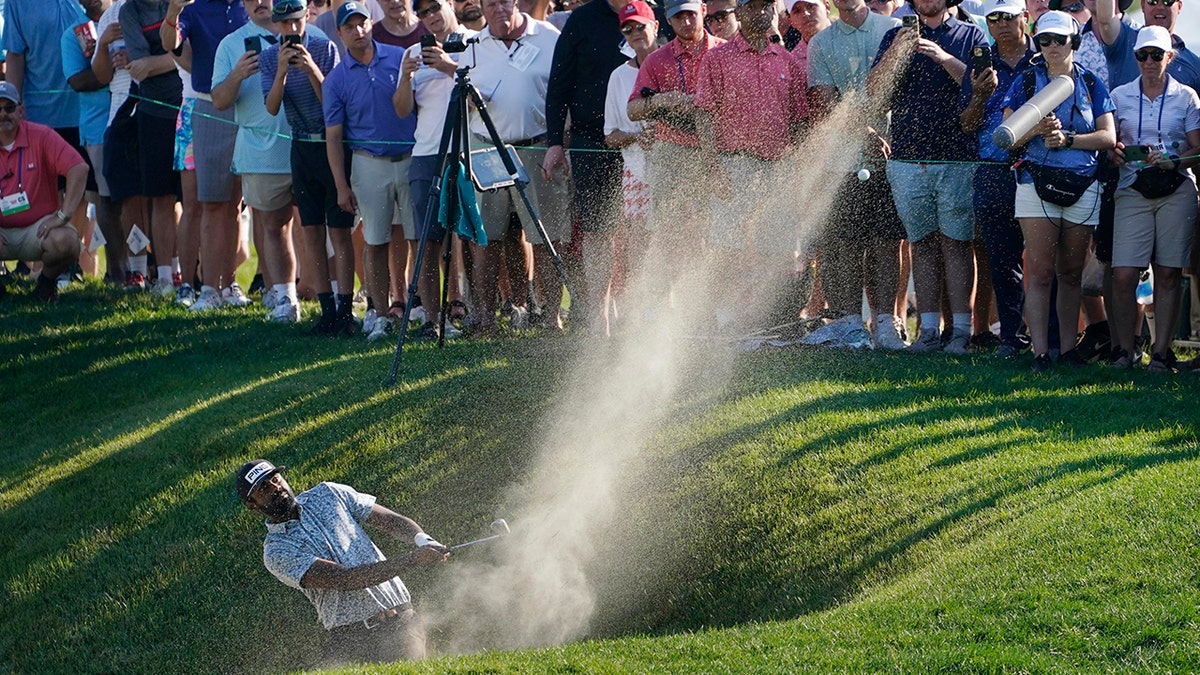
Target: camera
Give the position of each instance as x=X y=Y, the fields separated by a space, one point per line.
x=428 y=40
x=455 y=43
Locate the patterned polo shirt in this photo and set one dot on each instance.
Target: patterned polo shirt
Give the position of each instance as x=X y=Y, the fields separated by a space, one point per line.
x=330 y=527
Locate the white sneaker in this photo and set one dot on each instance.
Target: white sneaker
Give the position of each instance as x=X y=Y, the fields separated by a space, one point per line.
x=368 y=321
x=185 y=296
x=417 y=315
x=272 y=298
x=959 y=341
x=383 y=326
x=518 y=317
x=887 y=336
x=234 y=296
x=163 y=288
x=451 y=331
x=928 y=342
x=209 y=299
x=285 y=312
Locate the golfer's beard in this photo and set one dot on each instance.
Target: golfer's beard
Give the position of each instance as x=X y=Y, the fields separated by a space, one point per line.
x=279 y=507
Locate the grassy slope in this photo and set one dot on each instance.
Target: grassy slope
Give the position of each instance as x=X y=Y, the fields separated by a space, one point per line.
x=828 y=511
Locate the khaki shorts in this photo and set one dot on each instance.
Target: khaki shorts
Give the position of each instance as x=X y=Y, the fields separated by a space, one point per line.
x=551 y=199
x=22 y=243
x=267 y=191
x=1154 y=230
x=745 y=221
x=381 y=187
x=679 y=192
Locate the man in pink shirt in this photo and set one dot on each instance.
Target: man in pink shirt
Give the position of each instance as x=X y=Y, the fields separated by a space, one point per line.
x=752 y=109
x=664 y=96
x=34 y=225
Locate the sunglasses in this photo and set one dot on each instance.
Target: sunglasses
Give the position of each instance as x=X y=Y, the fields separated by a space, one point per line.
x=876 y=2
x=287 y=7
x=430 y=10
x=718 y=16
x=1047 y=40
x=8 y=108
x=997 y=17
x=633 y=27
x=1153 y=3
x=1077 y=7
x=1143 y=54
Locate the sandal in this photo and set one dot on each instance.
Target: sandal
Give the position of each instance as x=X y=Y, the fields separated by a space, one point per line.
x=396 y=311
x=458 y=310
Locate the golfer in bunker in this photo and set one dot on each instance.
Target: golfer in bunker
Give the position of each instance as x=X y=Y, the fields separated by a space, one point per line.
x=315 y=542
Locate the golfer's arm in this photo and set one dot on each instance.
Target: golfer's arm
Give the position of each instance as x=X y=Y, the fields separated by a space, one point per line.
x=328 y=574
x=400 y=527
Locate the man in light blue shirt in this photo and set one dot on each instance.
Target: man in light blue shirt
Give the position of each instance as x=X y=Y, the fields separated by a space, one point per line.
x=32 y=32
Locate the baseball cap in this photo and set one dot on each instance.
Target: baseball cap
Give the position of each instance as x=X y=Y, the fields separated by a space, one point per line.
x=791 y=4
x=1013 y=7
x=742 y=3
x=286 y=10
x=254 y=473
x=1153 y=37
x=8 y=91
x=638 y=11
x=350 y=9
x=1056 y=23
x=674 y=7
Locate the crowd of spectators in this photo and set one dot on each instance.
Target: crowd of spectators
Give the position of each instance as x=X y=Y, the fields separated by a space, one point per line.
x=314 y=128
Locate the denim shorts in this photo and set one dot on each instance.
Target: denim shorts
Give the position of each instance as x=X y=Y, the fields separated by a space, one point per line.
x=934 y=197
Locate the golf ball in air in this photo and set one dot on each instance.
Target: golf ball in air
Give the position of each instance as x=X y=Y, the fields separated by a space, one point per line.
x=864 y=175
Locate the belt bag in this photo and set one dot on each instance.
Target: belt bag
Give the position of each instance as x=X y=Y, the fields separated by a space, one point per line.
x=1155 y=183
x=1058 y=186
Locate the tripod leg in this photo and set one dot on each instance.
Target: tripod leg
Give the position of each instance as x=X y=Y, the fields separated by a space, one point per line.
x=455 y=112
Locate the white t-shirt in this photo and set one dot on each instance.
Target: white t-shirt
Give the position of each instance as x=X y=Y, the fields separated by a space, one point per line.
x=513 y=80
x=431 y=91
x=121 y=78
x=616 y=117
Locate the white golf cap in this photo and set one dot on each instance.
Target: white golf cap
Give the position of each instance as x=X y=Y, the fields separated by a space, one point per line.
x=792 y=3
x=1155 y=37
x=1006 y=6
x=1056 y=23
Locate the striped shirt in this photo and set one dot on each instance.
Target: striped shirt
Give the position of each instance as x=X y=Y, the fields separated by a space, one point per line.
x=300 y=101
x=1178 y=108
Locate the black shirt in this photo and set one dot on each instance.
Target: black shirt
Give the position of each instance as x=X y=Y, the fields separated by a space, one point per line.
x=587 y=52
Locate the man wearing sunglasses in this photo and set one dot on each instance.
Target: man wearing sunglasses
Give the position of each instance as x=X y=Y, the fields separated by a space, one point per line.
x=34 y=225
x=721 y=19
x=1118 y=39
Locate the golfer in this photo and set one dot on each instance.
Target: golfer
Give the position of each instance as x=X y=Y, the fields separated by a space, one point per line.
x=315 y=542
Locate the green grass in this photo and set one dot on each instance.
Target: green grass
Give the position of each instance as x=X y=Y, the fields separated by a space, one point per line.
x=815 y=511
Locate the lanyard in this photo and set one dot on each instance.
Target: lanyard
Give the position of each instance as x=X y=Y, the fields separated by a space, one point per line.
x=682 y=79
x=1162 y=105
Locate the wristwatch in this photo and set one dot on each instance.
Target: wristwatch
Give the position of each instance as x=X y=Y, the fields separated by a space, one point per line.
x=1068 y=139
x=62 y=217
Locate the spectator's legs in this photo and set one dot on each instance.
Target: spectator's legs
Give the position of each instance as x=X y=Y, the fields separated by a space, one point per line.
x=1124 y=306
x=598 y=258
x=188 y=239
x=218 y=244
x=485 y=272
x=1041 y=243
x=883 y=274
x=550 y=284
x=60 y=250
x=995 y=192
x=1070 y=257
x=278 y=257
x=401 y=255
x=1168 y=296
x=317 y=274
x=163 y=228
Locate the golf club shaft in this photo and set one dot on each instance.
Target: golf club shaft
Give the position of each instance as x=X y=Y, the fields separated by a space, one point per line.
x=472 y=543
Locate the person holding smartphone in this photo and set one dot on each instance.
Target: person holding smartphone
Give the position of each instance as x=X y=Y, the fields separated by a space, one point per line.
x=1158 y=125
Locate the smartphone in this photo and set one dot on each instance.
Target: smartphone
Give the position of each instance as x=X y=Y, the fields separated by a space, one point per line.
x=1137 y=153
x=428 y=41
x=981 y=58
x=253 y=44
x=289 y=40
x=911 y=21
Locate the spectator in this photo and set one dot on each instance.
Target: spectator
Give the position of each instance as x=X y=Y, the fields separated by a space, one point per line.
x=884 y=7
x=1036 y=8
x=664 y=96
x=328 y=24
x=640 y=28
x=214 y=132
x=721 y=18
x=262 y=151
x=399 y=27
x=586 y=54
x=864 y=235
x=357 y=98
x=515 y=86
x=918 y=74
x=1057 y=234
x=470 y=14
x=78 y=45
x=1156 y=197
x=32 y=224
x=743 y=146
x=808 y=18
x=426 y=81
x=995 y=188
x=293 y=79
x=160 y=95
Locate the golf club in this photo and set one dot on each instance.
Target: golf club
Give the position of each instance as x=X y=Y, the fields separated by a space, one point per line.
x=499 y=526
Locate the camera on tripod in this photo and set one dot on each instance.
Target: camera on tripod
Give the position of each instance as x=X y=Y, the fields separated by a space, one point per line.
x=456 y=43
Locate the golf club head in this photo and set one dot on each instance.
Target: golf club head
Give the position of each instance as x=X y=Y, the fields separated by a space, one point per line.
x=500 y=526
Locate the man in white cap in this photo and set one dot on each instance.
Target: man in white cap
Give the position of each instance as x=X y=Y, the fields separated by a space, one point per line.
x=808 y=17
x=34 y=225
x=316 y=543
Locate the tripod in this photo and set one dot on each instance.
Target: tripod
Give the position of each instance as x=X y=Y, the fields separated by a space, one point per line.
x=454 y=153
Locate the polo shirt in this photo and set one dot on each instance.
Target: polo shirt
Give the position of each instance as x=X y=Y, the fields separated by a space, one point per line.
x=358 y=96
x=330 y=528
x=1178 y=108
x=754 y=97
x=588 y=51
x=93 y=105
x=673 y=68
x=993 y=109
x=204 y=24
x=140 y=23
x=431 y=93
x=1078 y=113
x=301 y=104
x=513 y=80
x=616 y=117
x=924 y=102
x=841 y=55
x=34 y=28
x=39 y=156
